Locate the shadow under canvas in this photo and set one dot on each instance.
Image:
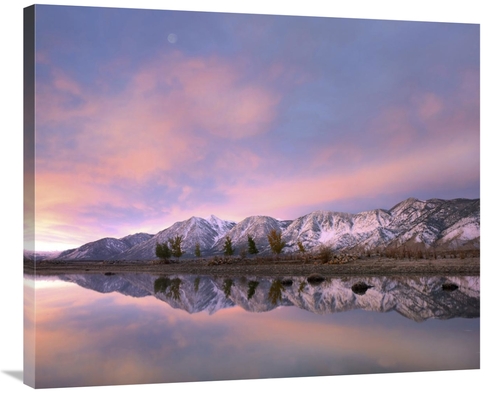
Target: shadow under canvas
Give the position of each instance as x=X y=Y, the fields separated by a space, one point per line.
x=17 y=374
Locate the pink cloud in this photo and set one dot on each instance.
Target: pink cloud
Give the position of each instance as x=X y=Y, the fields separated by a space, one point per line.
x=146 y=129
x=425 y=168
x=393 y=128
x=157 y=128
x=210 y=94
x=429 y=106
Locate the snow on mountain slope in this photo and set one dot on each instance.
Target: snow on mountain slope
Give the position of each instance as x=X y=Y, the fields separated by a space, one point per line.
x=340 y=230
x=256 y=226
x=194 y=231
x=134 y=240
x=100 y=249
x=435 y=222
x=220 y=226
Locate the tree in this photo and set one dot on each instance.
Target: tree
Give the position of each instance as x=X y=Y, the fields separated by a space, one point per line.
x=175 y=246
x=228 y=247
x=163 y=251
x=252 y=248
x=301 y=246
x=274 y=238
x=197 y=250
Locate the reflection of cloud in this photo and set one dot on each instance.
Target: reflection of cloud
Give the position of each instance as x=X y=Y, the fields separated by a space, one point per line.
x=84 y=337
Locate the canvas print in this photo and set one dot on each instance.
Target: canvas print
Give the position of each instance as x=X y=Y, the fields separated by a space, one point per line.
x=220 y=196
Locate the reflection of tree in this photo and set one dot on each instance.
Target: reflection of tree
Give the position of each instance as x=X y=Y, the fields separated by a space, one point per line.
x=302 y=286
x=252 y=286
x=226 y=287
x=196 y=284
x=275 y=292
x=175 y=291
x=163 y=283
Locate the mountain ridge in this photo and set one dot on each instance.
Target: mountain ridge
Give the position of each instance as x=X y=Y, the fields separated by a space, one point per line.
x=430 y=223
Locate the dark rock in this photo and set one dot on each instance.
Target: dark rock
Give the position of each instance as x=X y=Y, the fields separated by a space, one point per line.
x=315 y=279
x=287 y=282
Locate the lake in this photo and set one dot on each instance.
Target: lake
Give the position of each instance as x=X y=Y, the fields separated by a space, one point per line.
x=109 y=329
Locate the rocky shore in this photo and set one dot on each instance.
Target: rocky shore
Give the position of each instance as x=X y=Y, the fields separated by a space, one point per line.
x=358 y=267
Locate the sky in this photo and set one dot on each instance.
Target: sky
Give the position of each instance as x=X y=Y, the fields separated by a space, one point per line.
x=144 y=118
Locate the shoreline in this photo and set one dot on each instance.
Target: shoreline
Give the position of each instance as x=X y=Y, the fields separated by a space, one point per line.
x=360 y=267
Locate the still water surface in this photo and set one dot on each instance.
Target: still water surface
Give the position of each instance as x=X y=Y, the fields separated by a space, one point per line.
x=96 y=329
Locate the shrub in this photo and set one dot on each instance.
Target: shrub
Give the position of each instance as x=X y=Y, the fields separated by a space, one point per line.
x=325 y=253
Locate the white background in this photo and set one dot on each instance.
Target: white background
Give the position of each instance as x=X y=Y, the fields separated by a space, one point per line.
x=483 y=12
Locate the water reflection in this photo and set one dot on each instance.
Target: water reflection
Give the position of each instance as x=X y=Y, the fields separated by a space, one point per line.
x=416 y=298
x=138 y=328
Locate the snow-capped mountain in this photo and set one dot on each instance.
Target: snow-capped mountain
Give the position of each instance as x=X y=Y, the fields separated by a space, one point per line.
x=256 y=226
x=435 y=222
x=107 y=248
x=415 y=298
x=194 y=231
x=220 y=226
x=135 y=239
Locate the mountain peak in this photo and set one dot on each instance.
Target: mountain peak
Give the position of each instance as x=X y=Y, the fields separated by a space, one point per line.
x=434 y=222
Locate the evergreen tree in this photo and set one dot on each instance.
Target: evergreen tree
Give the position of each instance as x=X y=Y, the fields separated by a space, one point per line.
x=275 y=242
x=252 y=248
x=228 y=247
x=175 y=246
x=197 y=250
x=163 y=251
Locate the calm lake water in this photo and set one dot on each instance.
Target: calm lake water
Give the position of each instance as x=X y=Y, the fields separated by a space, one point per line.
x=96 y=329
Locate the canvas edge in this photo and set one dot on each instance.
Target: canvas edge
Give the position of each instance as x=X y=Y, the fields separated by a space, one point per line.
x=29 y=189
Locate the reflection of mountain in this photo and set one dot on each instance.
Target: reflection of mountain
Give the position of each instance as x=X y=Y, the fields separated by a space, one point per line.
x=415 y=298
